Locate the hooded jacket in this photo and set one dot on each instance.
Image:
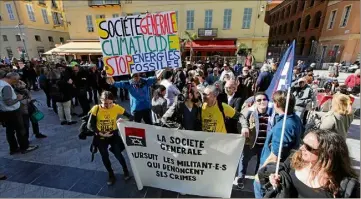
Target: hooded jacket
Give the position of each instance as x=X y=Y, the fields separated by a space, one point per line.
x=139 y=92
x=336 y=122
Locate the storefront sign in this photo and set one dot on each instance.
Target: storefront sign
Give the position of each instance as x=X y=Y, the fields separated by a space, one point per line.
x=190 y=162
x=139 y=43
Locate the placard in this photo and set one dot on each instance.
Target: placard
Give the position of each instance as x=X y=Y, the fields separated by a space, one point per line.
x=189 y=162
x=139 y=43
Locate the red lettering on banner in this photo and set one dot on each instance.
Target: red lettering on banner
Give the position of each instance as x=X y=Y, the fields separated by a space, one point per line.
x=144 y=25
x=172 y=22
x=129 y=59
x=122 y=65
x=107 y=61
x=159 y=23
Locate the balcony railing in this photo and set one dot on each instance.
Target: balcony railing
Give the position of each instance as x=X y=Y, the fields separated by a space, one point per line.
x=103 y=2
x=207 y=32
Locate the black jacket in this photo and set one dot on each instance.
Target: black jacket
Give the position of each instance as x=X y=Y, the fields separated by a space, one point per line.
x=349 y=187
x=231 y=124
x=173 y=117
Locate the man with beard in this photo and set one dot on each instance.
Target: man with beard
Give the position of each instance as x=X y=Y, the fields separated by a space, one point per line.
x=214 y=113
x=184 y=112
x=245 y=83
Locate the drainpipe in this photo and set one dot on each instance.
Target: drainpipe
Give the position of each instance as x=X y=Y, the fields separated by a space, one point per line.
x=20 y=30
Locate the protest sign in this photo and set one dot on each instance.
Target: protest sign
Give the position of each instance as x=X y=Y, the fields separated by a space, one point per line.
x=191 y=162
x=139 y=43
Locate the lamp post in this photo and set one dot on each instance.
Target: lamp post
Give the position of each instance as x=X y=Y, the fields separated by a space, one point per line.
x=21 y=31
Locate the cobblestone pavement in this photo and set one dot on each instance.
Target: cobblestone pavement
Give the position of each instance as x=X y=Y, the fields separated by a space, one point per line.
x=61 y=166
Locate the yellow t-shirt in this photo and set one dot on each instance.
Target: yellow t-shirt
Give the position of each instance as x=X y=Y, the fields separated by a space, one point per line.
x=107 y=118
x=212 y=118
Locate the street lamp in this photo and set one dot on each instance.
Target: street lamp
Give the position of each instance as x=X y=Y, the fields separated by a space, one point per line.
x=22 y=36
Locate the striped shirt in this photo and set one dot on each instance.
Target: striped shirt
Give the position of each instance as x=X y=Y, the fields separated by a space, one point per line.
x=263 y=123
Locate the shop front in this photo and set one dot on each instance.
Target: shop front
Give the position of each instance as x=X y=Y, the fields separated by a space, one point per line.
x=210 y=48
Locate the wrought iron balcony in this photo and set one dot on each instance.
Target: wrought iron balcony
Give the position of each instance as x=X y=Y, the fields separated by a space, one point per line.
x=207 y=32
x=103 y=3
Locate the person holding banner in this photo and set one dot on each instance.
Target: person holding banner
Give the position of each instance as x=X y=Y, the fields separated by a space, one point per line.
x=214 y=113
x=103 y=122
x=185 y=112
x=139 y=92
x=320 y=168
x=292 y=134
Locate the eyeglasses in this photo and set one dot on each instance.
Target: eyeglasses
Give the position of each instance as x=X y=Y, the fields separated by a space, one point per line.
x=260 y=100
x=308 y=147
x=205 y=94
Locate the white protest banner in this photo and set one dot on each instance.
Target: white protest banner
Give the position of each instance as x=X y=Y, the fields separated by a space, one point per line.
x=191 y=162
x=139 y=43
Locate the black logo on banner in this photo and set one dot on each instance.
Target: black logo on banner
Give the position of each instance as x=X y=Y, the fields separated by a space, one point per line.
x=135 y=137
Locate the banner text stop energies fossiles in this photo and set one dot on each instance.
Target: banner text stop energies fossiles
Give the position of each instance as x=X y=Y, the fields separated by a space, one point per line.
x=191 y=162
x=139 y=43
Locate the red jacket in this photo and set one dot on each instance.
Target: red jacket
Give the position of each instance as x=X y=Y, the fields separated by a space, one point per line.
x=352 y=80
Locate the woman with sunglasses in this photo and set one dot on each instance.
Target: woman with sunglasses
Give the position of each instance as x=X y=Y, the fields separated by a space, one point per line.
x=321 y=168
x=103 y=122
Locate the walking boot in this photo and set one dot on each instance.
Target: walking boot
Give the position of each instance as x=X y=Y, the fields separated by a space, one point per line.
x=111 y=179
x=126 y=175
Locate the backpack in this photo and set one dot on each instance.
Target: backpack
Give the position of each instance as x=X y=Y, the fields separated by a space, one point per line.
x=84 y=132
x=55 y=92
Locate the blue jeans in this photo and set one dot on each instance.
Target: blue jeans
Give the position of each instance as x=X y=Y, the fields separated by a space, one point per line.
x=258 y=192
x=247 y=155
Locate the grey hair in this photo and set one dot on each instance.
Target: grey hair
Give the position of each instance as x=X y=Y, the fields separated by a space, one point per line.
x=54 y=74
x=213 y=89
x=12 y=75
x=265 y=68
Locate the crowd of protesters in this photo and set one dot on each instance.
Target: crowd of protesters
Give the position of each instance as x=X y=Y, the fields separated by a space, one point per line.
x=210 y=96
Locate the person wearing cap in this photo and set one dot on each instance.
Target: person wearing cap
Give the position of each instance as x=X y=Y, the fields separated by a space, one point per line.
x=296 y=75
x=139 y=93
x=304 y=95
x=227 y=70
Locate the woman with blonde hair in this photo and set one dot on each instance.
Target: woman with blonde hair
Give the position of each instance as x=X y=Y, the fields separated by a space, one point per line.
x=340 y=117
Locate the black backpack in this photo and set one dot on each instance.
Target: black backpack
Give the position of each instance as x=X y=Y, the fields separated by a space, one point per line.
x=55 y=92
x=85 y=132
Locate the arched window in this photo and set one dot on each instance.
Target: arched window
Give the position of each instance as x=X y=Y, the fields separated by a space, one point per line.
x=302 y=45
x=291 y=26
x=312 y=2
x=280 y=29
x=302 y=5
x=311 y=48
x=288 y=11
x=294 y=8
x=307 y=22
x=285 y=29
x=317 y=20
x=298 y=24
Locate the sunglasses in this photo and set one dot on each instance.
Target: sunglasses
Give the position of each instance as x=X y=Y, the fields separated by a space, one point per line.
x=309 y=148
x=260 y=100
